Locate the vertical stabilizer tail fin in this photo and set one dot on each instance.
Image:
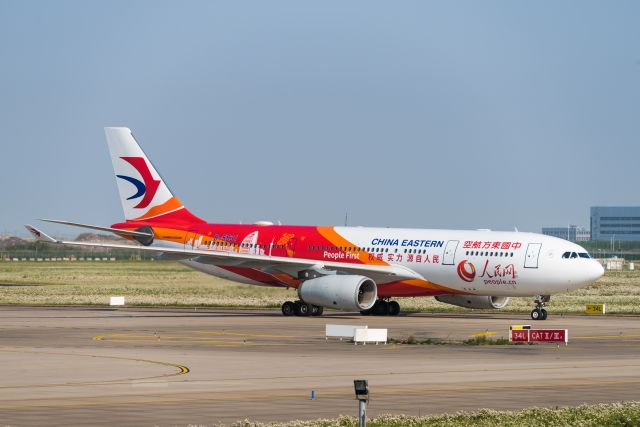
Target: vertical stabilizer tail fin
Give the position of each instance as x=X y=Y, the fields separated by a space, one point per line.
x=143 y=193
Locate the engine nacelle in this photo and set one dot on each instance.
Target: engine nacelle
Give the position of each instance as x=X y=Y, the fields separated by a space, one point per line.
x=342 y=292
x=474 y=301
x=146 y=240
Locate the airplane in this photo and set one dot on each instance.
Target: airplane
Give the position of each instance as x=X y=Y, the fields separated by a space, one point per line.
x=344 y=268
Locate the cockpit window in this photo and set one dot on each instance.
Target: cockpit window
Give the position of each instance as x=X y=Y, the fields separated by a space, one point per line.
x=574 y=255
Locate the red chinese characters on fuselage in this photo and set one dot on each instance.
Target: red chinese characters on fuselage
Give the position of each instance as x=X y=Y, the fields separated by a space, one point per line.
x=503 y=246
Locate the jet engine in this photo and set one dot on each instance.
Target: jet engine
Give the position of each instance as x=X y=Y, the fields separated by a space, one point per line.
x=474 y=301
x=342 y=292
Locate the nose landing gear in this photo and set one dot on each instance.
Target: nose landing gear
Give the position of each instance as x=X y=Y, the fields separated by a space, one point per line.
x=539 y=313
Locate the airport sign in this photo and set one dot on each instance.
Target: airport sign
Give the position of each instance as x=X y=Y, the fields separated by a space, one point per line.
x=596 y=308
x=539 y=335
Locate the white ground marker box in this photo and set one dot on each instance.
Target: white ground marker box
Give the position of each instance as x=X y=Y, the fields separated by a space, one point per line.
x=341 y=331
x=116 y=301
x=370 y=335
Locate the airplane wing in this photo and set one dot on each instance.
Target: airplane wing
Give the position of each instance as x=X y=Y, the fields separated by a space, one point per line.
x=267 y=263
x=96 y=227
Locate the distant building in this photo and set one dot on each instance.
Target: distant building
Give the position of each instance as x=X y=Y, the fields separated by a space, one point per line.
x=582 y=235
x=573 y=233
x=567 y=233
x=615 y=223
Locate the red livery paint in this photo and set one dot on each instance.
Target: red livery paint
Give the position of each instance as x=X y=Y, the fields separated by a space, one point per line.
x=466 y=271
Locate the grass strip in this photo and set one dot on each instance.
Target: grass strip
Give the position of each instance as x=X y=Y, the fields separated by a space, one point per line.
x=170 y=284
x=625 y=414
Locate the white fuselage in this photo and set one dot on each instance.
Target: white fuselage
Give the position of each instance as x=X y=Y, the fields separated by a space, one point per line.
x=477 y=262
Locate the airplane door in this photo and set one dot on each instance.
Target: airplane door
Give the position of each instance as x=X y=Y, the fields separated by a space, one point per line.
x=531 y=258
x=450 y=252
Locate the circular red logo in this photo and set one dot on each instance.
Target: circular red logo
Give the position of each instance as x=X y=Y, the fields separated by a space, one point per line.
x=466 y=271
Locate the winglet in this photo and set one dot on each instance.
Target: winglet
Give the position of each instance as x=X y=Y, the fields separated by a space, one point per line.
x=39 y=235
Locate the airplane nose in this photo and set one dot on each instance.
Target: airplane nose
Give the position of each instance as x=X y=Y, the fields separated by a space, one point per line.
x=595 y=271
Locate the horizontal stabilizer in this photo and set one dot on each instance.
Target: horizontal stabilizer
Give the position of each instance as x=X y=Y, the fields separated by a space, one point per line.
x=40 y=235
x=99 y=228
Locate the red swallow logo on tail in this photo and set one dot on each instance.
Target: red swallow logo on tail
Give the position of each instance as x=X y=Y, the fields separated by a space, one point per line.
x=147 y=187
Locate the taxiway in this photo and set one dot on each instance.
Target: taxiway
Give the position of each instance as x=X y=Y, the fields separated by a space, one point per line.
x=132 y=366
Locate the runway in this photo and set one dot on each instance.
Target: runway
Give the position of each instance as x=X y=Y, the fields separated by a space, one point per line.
x=101 y=366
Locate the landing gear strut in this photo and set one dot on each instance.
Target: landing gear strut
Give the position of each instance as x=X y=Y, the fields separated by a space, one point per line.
x=539 y=313
x=383 y=308
x=301 y=308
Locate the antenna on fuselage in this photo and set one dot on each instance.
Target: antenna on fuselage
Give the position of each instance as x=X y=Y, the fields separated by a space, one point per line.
x=515 y=228
x=346 y=218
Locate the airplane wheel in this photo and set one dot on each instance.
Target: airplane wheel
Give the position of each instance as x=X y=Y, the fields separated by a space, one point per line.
x=316 y=310
x=394 y=308
x=288 y=308
x=536 y=314
x=302 y=309
x=544 y=314
x=382 y=308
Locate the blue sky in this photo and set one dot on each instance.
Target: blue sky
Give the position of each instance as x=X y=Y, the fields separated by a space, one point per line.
x=453 y=114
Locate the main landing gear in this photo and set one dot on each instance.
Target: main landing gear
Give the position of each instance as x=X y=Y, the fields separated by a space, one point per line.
x=539 y=313
x=301 y=308
x=383 y=308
